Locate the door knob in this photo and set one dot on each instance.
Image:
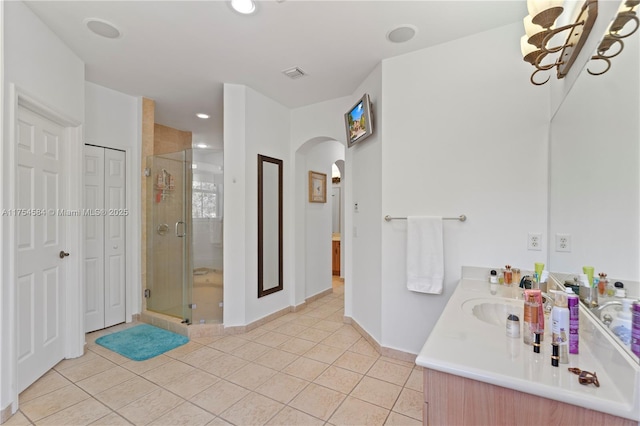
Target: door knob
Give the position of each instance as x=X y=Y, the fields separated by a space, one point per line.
x=63 y=254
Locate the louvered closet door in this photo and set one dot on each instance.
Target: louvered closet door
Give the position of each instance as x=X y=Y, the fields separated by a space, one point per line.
x=104 y=237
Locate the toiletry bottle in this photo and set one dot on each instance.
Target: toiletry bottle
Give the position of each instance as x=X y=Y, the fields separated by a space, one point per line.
x=516 y=275
x=493 y=277
x=531 y=307
x=620 y=291
x=508 y=275
x=635 y=327
x=602 y=284
x=621 y=324
x=539 y=326
x=513 y=326
x=573 y=303
x=560 y=325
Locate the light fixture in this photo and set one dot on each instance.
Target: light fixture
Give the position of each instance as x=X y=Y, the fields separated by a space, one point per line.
x=202 y=115
x=246 y=7
x=615 y=34
x=102 y=28
x=401 y=34
x=540 y=30
x=202 y=145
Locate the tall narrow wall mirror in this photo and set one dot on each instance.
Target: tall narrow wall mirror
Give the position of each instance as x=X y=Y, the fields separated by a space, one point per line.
x=269 y=225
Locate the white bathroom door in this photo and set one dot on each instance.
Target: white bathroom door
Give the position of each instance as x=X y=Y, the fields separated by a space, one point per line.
x=104 y=237
x=40 y=238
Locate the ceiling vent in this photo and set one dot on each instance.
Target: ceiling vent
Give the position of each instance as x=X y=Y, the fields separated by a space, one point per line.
x=294 y=73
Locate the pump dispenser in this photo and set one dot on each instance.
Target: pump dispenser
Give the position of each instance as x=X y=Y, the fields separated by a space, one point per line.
x=560 y=325
x=621 y=324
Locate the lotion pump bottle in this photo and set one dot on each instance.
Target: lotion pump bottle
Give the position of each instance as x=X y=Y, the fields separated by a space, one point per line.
x=560 y=325
x=621 y=324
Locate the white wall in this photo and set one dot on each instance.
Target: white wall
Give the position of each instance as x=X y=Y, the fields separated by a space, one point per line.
x=318 y=220
x=311 y=125
x=363 y=240
x=253 y=124
x=595 y=170
x=42 y=66
x=112 y=120
x=459 y=139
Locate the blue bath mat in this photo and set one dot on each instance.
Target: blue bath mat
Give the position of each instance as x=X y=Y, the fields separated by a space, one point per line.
x=142 y=342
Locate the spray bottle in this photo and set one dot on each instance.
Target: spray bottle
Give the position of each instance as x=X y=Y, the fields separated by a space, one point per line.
x=573 y=303
x=560 y=325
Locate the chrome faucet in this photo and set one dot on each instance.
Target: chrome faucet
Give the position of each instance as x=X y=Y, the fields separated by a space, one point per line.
x=599 y=309
x=606 y=318
x=547 y=302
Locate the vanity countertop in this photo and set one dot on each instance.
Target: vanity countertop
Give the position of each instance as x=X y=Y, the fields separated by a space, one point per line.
x=463 y=345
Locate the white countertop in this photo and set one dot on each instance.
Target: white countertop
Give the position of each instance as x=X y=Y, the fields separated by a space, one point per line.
x=463 y=345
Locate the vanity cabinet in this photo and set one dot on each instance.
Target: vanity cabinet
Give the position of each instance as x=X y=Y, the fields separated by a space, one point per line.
x=335 y=257
x=456 y=400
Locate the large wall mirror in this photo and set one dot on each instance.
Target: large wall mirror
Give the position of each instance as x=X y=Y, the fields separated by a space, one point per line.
x=595 y=171
x=594 y=177
x=269 y=225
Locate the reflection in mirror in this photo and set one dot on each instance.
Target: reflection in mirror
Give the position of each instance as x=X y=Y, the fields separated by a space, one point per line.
x=269 y=225
x=594 y=173
x=594 y=182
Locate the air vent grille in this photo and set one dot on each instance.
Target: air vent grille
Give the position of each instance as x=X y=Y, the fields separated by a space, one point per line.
x=294 y=73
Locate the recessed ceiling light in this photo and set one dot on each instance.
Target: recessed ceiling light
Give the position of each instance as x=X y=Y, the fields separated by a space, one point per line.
x=402 y=33
x=202 y=115
x=246 y=7
x=202 y=145
x=102 y=28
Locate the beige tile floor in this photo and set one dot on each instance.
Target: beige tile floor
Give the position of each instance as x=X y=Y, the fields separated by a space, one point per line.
x=305 y=368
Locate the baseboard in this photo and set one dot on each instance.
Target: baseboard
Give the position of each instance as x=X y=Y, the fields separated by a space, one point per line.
x=5 y=414
x=257 y=323
x=382 y=350
x=319 y=295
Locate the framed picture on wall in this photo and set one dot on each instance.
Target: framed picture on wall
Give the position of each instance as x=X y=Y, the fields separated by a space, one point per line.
x=317 y=187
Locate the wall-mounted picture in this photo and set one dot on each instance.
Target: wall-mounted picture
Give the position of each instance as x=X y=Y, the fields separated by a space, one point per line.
x=317 y=187
x=359 y=121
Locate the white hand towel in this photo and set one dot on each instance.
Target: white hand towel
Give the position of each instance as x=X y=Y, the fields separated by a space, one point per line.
x=425 y=259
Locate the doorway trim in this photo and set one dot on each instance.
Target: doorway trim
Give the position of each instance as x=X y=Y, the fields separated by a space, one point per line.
x=73 y=298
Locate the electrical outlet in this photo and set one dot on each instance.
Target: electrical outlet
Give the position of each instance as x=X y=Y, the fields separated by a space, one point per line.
x=563 y=242
x=534 y=241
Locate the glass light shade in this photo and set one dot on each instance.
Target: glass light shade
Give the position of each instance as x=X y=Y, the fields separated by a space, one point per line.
x=243 y=6
x=536 y=6
x=525 y=47
x=529 y=27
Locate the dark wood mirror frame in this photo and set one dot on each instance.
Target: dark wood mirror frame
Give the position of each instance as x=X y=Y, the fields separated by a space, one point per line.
x=269 y=246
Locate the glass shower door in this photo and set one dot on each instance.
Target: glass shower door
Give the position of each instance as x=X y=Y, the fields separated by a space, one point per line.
x=168 y=235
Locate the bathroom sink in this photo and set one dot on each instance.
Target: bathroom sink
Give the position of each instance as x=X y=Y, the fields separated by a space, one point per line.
x=493 y=311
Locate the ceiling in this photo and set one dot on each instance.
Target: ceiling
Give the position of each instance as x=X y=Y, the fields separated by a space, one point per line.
x=179 y=53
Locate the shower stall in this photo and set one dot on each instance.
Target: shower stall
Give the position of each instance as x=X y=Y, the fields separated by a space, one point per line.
x=184 y=235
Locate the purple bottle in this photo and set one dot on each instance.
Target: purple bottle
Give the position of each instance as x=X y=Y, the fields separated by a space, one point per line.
x=635 y=328
x=573 y=302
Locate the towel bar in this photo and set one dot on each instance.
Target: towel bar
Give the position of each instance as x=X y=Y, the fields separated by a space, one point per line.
x=461 y=218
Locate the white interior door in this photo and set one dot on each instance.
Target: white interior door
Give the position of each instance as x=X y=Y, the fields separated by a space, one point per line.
x=40 y=238
x=114 y=237
x=93 y=260
x=104 y=237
